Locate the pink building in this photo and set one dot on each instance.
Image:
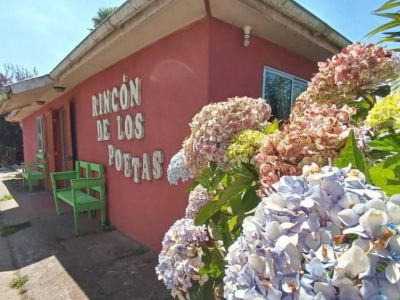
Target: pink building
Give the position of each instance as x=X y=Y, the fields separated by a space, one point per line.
x=125 y=95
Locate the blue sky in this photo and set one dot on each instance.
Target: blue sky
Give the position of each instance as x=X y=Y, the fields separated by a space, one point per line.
x=352 y=18
x=40 y=33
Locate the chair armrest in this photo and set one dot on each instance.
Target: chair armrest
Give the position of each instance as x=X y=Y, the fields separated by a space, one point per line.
x=58 y=176
x=28 y=166
x=81 y=183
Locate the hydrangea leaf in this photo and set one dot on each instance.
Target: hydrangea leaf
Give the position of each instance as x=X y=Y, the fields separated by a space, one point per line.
x=205 y=291
x=247 y=202
x=350 y=154
x=204 y=177
x=239 y=183
x=389 y=143
x=386 y=175
x=362 y=110
x=210 y=177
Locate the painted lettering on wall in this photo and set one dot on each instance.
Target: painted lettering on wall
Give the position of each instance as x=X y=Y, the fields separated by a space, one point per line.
x=126 y=101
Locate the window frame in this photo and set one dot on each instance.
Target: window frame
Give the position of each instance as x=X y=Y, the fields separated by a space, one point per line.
x=285 y=75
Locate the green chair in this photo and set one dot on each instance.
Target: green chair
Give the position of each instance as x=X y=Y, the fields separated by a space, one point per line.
x=35 y=171
x=79 y=190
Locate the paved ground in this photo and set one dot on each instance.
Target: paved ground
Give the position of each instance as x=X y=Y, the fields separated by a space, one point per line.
x=61 y=265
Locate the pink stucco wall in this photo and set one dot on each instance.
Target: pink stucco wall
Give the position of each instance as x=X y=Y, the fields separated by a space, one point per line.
x=180 y=74
x=236 y=70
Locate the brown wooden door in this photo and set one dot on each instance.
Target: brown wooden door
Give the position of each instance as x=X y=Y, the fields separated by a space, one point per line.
x=49 y=140
x=59 y=139
x=67 y=128
x=62 y=139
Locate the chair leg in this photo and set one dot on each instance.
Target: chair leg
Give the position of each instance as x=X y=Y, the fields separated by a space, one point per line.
x=76 y=220
x=103 y=217
x=30 y=185
x=57 y=202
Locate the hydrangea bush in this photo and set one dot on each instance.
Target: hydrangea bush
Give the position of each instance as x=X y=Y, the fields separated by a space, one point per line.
x=387 y=109
x=350 y=74
x=177 y=170
x=306 y=210
x=314 y=135
x=214 y=126
x=322 y=235
x=243 y=146
x=181 y=257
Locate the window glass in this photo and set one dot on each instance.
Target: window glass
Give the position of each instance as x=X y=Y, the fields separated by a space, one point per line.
x=298 y=88
x=281 y=90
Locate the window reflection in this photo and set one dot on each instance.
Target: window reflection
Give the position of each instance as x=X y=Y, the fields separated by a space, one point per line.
x=281 y=90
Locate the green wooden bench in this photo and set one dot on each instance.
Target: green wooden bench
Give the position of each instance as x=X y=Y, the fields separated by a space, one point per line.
x=35 y=171
x=79 y=190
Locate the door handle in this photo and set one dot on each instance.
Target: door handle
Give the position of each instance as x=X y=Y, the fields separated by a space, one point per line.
x=69 y=157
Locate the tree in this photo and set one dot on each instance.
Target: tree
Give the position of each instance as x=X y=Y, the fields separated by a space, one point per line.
x=11 y=150
x=388 y=10
x=102 y=14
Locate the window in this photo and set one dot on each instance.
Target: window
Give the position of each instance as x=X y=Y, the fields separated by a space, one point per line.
x=281 y=90
x=40 y=135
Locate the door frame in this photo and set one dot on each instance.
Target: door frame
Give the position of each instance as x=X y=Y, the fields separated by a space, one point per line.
x=66 y=136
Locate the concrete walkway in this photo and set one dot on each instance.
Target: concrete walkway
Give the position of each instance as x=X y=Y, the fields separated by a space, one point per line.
x=61 y=265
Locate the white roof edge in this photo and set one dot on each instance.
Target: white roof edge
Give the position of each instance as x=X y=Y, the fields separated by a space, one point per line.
x=125 y=12
x=307 y=19
x=26 y=85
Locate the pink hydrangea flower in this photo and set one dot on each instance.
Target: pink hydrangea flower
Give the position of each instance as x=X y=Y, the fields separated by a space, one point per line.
x=214 y=126
x=314 y=135
x=346 y=76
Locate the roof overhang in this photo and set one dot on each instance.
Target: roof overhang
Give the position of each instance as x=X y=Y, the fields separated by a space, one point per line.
x=283 y=22
x=139 y=23
x=23 y=93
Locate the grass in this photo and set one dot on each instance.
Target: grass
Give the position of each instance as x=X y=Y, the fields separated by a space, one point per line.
x=6 y=230
x=6 y=198
x=18 y=282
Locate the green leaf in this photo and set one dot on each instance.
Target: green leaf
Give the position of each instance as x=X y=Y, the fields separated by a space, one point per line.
x=206 y=291
x=362 y=110
x=239 y=183
x=192 y=186
x=215 y=231
x=227 y=238
x=271 y=128
x=232 y=223
x=204 y=177
x=393 y=33
x=388 y=5
x=393 y=16
x=381 y=91
x=350 y=154
x=376 y=154
x=209 y=178
x=248 y=201
x=383 y=27
x=386 y=175
x=389 y=143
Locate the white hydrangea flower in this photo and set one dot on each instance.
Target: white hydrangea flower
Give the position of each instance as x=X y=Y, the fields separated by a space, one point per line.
x=197 y=198
x=176 y=169
x=324 y=235
x=180 y=258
